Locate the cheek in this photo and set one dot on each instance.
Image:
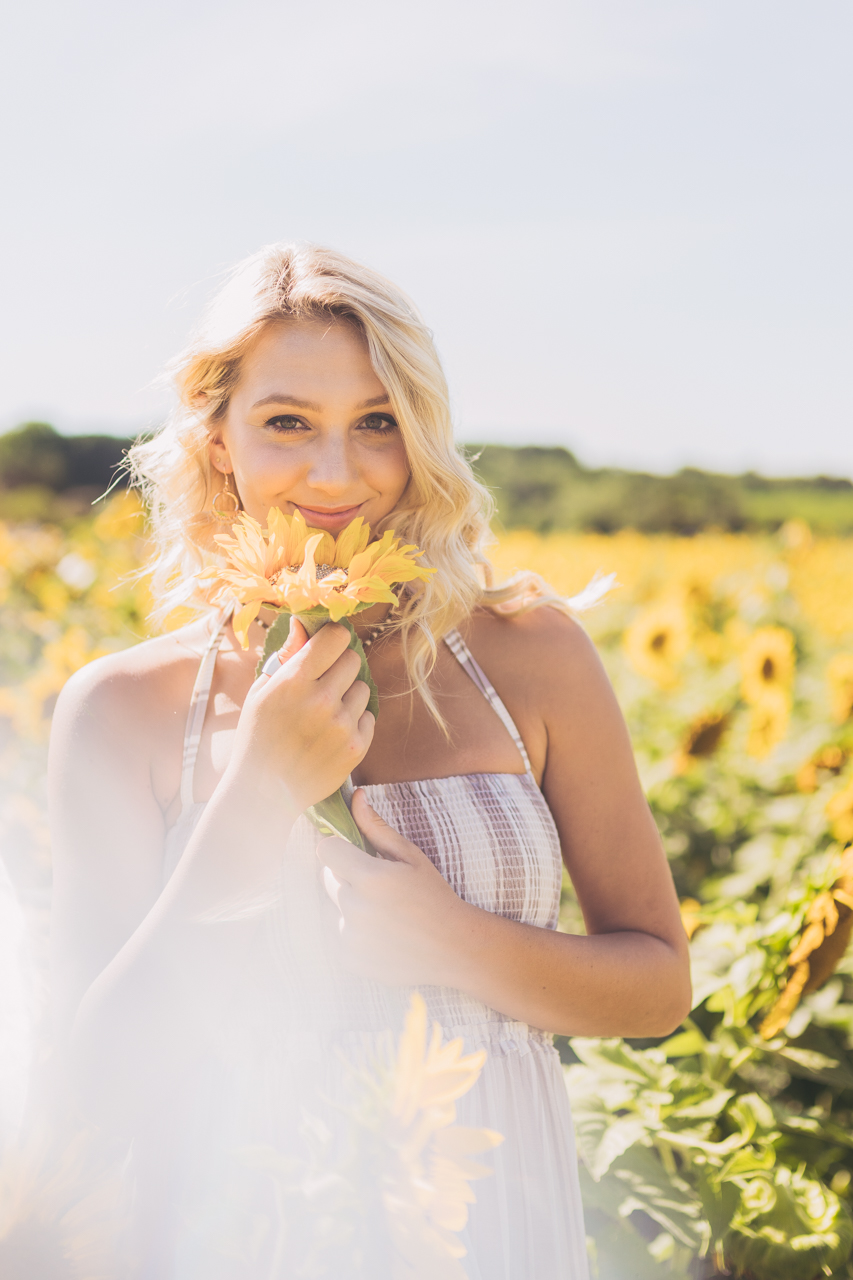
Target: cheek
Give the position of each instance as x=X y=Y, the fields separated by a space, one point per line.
x=266 y=470
x=390 y=470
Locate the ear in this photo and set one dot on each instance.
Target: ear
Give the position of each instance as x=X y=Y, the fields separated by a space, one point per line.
x=219 y=458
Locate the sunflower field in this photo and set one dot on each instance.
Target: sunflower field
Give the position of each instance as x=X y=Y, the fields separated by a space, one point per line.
x=728 y=1147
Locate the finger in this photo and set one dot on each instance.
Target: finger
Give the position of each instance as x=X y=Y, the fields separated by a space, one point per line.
x=347 y=864
x=366 y=727
x=341 y=675
x=323 y=650
x=356 y=698
x=297 y=638
x=384 y=838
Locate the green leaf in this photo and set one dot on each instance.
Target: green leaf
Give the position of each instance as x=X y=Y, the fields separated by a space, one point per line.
x=364 y=671
x=685 y=1045
x=747 y=1160
x=824 y=1130
x=602 y=1137
x=816 y=1066
x=617 y=1250
x=274 y=640
x=332 y=817
x=795 y=1227
x=638 y=1180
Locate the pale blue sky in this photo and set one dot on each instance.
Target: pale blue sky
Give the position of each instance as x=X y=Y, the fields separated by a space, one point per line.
x=628 y=222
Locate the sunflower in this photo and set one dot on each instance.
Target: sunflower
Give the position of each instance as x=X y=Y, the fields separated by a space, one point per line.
x=702 y=739
x=657 y=640
x=819 y=948
x=299 y=570
x=768 y=721
x=839 y=810
x=839 y=677
x=767 y=663
x=427 y=1182
x=829 y=760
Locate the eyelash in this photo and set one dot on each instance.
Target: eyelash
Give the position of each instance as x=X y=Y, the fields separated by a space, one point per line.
x=278 y=423
x=390 y=423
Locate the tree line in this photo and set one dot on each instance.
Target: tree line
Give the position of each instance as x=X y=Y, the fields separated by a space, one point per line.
x=536 y=487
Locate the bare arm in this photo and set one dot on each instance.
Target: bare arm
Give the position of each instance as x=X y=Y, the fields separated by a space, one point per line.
x=141 y=972
x=630 y=975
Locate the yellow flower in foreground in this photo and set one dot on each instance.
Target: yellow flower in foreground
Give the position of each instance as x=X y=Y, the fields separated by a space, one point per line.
x=427 y=1184
x=298 y=569
x=767 y=663
x=839 y=677
x=657 y=640
x=768 y=722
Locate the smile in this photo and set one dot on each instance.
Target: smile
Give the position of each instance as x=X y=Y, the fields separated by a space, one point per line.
x=328 y=517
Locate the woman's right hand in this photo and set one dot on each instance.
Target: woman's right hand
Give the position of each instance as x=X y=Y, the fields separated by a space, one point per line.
x=306 y=725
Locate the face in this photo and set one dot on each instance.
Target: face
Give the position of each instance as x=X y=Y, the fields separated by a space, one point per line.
x=309 y=428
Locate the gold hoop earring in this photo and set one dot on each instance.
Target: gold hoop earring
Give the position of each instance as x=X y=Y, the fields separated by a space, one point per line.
x=227 y=493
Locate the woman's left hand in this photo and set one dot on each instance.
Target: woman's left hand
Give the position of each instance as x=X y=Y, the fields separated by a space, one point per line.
x=400 y=921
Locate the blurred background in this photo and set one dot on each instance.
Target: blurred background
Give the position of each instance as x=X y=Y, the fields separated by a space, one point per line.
x=628 y=227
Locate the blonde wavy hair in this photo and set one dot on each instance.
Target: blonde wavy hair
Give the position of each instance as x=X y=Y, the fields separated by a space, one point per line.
x=444 y=509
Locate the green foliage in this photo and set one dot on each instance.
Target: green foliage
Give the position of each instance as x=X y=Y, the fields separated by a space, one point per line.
x=717 y=1148
x=35 y=458
x=546 y=489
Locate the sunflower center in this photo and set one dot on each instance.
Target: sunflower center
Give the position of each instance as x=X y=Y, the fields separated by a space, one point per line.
x=323 y=570
x=768 y=669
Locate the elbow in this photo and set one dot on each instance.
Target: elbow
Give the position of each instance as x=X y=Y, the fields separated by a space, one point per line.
x=668 y=1001
x=672 y=1008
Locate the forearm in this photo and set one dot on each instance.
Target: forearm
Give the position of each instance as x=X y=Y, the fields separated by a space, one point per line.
x=152 y=1007
x=624 y=983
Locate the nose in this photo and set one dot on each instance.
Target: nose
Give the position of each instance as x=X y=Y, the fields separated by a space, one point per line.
x=333 y=471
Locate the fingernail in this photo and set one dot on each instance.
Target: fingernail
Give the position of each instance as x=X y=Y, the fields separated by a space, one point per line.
x=272 y=664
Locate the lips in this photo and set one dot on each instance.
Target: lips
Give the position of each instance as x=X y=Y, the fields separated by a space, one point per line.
x=329 y=517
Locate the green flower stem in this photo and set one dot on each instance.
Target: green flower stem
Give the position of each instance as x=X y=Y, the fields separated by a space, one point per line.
x=331 y=816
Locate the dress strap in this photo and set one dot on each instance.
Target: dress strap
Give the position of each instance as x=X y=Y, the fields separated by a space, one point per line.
x=471 y=666
x=198 y=708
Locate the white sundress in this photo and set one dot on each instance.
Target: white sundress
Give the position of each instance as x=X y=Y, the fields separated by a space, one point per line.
x=493 y=838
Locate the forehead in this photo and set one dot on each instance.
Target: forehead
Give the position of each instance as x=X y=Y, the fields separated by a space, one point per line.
x=297 y=356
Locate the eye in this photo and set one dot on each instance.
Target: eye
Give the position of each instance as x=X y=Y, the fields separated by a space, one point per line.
x=378 y=422
x=285 y=423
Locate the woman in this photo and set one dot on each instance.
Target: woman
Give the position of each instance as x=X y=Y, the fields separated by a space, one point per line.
x=199 y=921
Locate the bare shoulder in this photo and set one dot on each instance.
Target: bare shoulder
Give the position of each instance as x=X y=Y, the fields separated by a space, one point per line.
x=150 y=679
x=542 y=651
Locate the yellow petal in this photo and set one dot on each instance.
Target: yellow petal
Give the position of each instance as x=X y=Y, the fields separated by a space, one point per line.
x=449 y=1084
x=325 y=552
x=339 y=606
x=308 y=572
x=372 y=590
x=242 y=620
x=363 y=562
x=460 y=1140
x=279 y=528
x=410 y=1055
x=350 y=542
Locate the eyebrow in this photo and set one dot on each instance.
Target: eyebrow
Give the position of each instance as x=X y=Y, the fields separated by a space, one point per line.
x=282 y=398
